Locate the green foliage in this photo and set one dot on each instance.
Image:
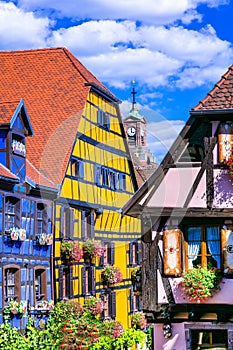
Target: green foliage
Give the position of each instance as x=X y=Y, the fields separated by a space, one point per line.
x=71 y=327
x=200 y=283
x=138 y=320
x=129 y=338
x=10 y=338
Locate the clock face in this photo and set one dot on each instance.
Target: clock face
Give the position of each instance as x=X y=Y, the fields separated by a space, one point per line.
x=131 y=131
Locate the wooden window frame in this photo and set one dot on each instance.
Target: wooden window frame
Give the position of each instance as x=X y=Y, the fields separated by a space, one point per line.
x=211 y=343
x=109 y=254
x=203 y=254
x=65 y=285
x=16 y=284
x=135 y=302
x=109 y=305
x=41 y=271
x=15 y=213
x=88 y=280
x=103 y=119
x=66 y=222
x=88 y=224
x=134 y=253
x=77 y=168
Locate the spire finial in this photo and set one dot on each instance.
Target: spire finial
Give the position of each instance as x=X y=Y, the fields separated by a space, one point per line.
x=133 y=93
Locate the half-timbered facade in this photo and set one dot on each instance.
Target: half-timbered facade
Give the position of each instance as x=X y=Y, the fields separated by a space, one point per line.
x=25 y=218
x=187 y=219
x=79 y=146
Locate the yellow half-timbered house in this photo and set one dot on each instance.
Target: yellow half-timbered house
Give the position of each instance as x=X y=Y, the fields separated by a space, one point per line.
x=79 y=146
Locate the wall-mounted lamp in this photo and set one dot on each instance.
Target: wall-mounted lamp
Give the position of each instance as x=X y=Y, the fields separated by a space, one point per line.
x=167 y=330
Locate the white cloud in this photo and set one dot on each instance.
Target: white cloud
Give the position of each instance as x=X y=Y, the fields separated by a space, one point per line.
x=104 y=36
x=115 y=51
x=19 y=29
x=157 y=67
x=146 y=53
x=159 y=11
x=148 y=11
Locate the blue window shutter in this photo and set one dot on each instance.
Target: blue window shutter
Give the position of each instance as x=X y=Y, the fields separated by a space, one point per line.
x=70 y=282
x=83 y=224
x=92 y=281
x=81 y=169
x=112 y=300
x=62 y=222
x=84 y=280
x=60 y=282
x=71 y=224
x=131 y=253
x=131 y=301
x=92 y=223
x=112 y=253
x=139 y=253
x=98 y=175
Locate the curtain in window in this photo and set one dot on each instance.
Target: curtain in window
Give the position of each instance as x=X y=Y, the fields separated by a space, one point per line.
x=194 y=245
x=213 y=244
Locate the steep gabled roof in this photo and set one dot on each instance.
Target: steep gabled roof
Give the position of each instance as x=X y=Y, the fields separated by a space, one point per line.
x=9 y=112
x=221 y=96
x=54 y=86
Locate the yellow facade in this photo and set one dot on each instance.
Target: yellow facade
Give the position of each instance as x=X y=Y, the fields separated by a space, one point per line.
x=95 y=197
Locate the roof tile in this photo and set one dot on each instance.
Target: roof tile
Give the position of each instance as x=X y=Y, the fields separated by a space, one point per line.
x=220 y=97
x=52 y=83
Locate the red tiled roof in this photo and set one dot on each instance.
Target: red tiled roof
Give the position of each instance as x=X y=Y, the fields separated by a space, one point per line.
x=221 y=96
x=5 y=173
x=37 y=177
x=53 y=84
x=7 y=109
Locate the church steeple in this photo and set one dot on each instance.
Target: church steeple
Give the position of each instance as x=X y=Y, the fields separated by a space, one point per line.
x=133 y=92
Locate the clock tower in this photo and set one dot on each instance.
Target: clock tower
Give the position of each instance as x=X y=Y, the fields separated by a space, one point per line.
x=135 y=129
x=135 y=124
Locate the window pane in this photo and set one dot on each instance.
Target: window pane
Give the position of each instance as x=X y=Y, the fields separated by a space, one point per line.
x=213 y=245
x=194 y=246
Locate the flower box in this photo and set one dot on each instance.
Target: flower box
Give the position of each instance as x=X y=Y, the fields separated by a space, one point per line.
x=93 y=305
x=18 y=148
x=44 y=305
x=92 y=248
x=16 y=307
x=17 y=234
x=45 y=239
x=71 y=251
x=111 y=275
x=200 y=283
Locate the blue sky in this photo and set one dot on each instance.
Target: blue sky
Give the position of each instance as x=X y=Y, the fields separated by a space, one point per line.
x=175 y=50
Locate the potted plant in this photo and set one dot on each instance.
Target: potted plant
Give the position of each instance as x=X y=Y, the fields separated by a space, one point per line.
x=138 y=320
x=16 y=307
x=45 y=305
x=200 y=283
x=229 y=163
x=71 y=251
x=92 y=248
x=111 y=275
x=93 y=305
x=112 y=328
x=45 y=238
x=17 y=234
